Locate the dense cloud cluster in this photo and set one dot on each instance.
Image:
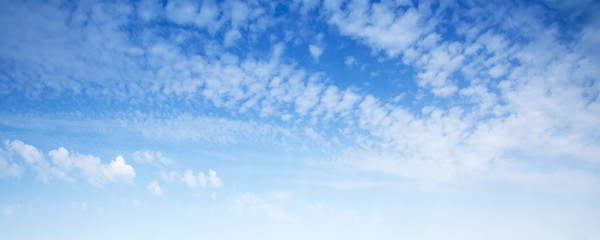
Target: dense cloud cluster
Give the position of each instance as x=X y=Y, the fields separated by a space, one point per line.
x=497 y=82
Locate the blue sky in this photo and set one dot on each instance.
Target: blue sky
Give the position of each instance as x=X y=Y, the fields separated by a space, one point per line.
x=299 y=119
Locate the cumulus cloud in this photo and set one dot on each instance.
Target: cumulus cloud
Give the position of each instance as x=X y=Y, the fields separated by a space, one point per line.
x=63 y=164
x=92 y=169
x=154 y=188
x=118 y=171
x=30 y=155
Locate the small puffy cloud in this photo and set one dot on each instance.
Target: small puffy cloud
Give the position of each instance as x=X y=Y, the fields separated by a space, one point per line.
x=213 y=179
x=154 y=188
x=118 y=171
x=315 y=51
x=169 y=176
x=231 y=37
x=308 y=99
x=238 y=11
x=194 y=181
x=350 y=60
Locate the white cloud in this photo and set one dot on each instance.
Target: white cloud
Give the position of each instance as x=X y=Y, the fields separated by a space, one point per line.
x=29 y=153
x=231 y=37
x=169 y=177
x=381 y=26
x=213 y=179
x=194 y=180
x=154 y=188
x=308 y=99
x=350 y=60
x=534 y=96
x=149 y=9
x=8 y=167
x=118 y=171
x=315 y=51
x=32 y=157
x=208 y=15
x=155 y=158
x=63 y=164
x=92 y=169
x=181 y=12
x=239 y=12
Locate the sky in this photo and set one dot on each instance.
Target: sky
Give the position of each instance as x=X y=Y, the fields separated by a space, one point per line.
x=300 y=119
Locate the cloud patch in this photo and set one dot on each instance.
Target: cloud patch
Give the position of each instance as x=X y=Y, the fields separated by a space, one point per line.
x=154 y=158
x=315 y=51
x=154 y=188
x=194 y=180
x=67 y=165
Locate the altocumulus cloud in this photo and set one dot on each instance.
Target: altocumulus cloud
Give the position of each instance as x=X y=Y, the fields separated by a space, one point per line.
x=485 y=98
